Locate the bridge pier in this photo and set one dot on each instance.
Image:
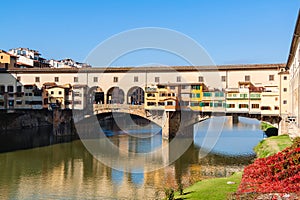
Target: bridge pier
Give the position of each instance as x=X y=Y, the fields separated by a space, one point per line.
x=235 y=119
x=173 y=124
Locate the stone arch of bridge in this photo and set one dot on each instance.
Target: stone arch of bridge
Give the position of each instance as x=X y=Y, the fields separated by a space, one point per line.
x=135 y=96
x=115 y=95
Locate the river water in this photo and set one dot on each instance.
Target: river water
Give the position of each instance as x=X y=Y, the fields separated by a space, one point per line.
x=69 y=171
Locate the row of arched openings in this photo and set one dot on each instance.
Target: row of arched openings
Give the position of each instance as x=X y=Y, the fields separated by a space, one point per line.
x=116 y=95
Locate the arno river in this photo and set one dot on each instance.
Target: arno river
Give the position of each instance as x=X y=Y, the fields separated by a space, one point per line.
x=68 y=170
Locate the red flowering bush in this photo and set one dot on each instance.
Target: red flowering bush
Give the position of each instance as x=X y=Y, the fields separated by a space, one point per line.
x=279 y=173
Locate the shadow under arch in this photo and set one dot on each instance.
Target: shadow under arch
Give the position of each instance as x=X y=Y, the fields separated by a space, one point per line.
x=115 y=95
x=135 y=95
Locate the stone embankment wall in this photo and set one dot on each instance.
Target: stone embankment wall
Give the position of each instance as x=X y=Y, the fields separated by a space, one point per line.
x=61 y=120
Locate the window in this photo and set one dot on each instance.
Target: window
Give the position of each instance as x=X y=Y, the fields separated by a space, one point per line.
x=19 y=88
x=169 y=103
x=204 y=104
x=162 y=94
x=195 y=104
x=151 y=104
x=161 y=103
x=178 y=79
x=95 y=79
x=10 y=88
x=276 y=108
x=75 y=79
x=150 y=95
x=2 y=88
x=78 y=102
x=19 y=102
x=52 y=92
x=285 y=89
x=200 y=79
x=271 y=77
x=243 y=105
x=156 y=79
x=223 y=78
x=219 y=94
x=230 y=105
x=115 y=79
x=196 y=87
x=18 y=78
x=265 y=108
x=59 y=92
x=207 y=94
x=284 y=101
x=254 y=106
x=285 y=78
x=136 y=79
x=247 y=78
x=243 y=95
x=56 y=79
x=77 y=94
x=37 y=79
x=172 y=87
x=183 y=87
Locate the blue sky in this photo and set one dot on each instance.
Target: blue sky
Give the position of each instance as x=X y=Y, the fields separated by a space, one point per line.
x=231 y=31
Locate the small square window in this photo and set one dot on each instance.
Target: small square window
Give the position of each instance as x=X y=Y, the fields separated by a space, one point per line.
x=136 y=79
x=59 y=92
x=95 y=79
x=18 y=78
x=75 y=79
x=156 y=79
x=200 y=79
x=285 y=89
x=284 y=101
x=178 y=79
x=52 y=92
x=223 y=78
x=56 y=79
x=37 y=79
x=10 y=88
x=271 y=77
x=285 y=78
x=247 y=78
x=19 y=88
x=115 y=79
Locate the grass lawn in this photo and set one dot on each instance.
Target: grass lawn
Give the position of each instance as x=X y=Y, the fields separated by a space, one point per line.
x=216 y=188
x=272 y=145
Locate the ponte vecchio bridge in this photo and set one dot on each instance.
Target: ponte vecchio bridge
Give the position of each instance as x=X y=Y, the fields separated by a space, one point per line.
x=259 y=91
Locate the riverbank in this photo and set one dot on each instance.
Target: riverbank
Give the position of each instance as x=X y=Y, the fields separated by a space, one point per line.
x=272 y=145
x=218 y=188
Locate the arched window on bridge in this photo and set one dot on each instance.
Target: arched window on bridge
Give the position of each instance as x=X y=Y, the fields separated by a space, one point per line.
x=115 y=95
x=135 y=96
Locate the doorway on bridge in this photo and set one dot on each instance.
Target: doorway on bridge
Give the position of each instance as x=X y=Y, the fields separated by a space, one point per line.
x=135 y=96
x=95 y=96
x=115 y=95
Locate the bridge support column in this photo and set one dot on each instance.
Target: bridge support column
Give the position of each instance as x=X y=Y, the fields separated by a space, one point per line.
x=166 y=126
x=172 y=125
x=235 y=119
